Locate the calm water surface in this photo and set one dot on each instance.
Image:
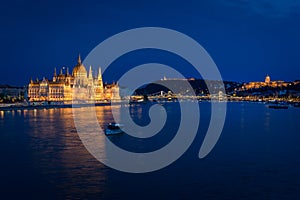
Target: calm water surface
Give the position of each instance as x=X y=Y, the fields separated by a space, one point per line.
x=257 y=157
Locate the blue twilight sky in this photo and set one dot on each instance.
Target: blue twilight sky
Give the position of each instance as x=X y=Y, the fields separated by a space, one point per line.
x=247 y=39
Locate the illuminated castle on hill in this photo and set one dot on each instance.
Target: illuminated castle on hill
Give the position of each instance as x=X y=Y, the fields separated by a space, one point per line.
x=266 y=83
x=79 y=85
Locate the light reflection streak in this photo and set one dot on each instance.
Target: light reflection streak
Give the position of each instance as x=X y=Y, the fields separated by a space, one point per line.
x=54 y=134
x=267 y=121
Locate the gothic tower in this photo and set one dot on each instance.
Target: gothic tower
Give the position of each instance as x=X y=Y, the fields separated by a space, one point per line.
x=90 y=77
x=98 y=85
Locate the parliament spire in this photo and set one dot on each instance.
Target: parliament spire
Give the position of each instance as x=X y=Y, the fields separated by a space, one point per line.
x=99 y=74
x=79 y=59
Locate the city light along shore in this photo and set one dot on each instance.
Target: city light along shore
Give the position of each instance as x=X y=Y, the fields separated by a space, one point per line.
x=82 y=88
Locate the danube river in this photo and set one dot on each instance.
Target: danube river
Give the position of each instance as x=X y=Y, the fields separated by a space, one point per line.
x=256 y=157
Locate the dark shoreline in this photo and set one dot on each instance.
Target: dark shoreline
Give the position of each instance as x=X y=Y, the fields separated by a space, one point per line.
x=32 y=107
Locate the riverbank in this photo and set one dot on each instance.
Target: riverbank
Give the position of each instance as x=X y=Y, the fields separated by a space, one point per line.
x=24 y=106
x=11 y=107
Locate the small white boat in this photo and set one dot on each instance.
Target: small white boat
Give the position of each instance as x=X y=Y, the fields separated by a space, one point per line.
x=113 y=129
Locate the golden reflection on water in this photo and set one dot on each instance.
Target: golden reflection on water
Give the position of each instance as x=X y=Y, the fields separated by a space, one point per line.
x=19 y=112
x=91 y=123
x=2 y=114
x=57 y=146
x=104 y=114
x=25 y=113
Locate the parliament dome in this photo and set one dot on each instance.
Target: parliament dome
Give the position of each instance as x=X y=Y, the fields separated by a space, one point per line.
x=79 y=70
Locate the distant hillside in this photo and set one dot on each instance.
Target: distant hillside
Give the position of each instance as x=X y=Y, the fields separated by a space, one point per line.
x=232 y=88
x=199 y=86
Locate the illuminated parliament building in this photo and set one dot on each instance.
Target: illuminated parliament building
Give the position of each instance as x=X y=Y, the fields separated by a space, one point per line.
x=79 y=85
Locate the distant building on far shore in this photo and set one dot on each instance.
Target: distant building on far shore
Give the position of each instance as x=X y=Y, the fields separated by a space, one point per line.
x=11 y=94
x=79 y=85
x=266 y=83
x=13 y=91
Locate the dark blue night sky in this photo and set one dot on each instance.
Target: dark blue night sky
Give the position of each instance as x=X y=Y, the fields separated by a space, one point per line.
x=247 y=39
